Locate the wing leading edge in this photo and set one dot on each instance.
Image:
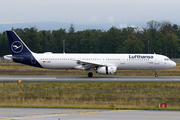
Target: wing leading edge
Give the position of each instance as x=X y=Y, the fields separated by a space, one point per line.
x=86 y=65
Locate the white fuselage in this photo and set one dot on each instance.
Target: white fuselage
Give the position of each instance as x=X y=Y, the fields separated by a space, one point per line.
x=121 y=61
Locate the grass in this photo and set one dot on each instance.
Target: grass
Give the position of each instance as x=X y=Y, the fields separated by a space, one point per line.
x=9 y=68
x=106 y=95
x=97 y=95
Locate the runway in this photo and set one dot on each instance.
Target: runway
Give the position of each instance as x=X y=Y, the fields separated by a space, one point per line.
x=85 y=114
x=95 y=78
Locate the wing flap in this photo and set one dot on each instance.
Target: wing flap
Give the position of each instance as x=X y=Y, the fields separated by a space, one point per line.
x=90 y=63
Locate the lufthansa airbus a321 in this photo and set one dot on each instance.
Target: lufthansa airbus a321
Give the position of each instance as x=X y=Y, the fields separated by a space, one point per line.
x=101 y=63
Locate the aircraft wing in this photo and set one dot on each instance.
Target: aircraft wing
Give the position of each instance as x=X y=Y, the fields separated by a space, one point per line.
x=88 y=64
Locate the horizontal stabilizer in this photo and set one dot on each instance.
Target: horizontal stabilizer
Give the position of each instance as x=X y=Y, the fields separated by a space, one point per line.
x=10 y=58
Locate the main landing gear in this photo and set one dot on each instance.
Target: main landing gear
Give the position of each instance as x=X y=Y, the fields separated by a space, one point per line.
x=90 y=74
x=156 y=75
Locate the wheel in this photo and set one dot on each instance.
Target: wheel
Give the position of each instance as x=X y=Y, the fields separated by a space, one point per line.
x=90 y=74
x=156 y=75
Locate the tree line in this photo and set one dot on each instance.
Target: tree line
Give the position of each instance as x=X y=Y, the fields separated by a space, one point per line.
x=158 y=37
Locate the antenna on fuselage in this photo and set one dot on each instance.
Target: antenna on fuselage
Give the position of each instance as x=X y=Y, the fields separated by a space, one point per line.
x=64 y=46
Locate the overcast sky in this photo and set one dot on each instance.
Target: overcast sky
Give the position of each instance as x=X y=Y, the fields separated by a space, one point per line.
x=89 y=11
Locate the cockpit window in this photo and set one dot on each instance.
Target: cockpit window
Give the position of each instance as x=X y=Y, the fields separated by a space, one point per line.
x=166 y=59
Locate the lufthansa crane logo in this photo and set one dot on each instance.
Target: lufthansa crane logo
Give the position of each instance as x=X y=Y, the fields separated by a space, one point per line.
x=16 y=46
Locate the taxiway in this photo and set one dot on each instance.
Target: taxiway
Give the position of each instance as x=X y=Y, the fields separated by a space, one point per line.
x=85 y=114
x=95 y=78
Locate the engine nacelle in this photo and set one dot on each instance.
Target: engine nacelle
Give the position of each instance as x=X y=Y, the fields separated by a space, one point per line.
x=106 y=70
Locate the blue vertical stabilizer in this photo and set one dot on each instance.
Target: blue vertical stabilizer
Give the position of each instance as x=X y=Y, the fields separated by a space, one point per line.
x=20 y=52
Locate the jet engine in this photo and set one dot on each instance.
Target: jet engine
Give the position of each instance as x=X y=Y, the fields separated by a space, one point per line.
x=106 y=70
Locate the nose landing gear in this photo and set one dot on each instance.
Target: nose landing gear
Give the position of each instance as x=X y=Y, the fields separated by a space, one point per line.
x=156 y=75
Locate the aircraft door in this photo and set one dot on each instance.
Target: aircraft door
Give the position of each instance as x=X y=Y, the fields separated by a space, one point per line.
x=33 y=60
x=157 y=60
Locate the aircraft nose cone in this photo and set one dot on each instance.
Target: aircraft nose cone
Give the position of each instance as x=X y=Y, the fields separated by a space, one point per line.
x=174 y=64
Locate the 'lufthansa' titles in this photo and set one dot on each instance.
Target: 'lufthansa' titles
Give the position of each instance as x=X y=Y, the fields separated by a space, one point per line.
x=140 y=57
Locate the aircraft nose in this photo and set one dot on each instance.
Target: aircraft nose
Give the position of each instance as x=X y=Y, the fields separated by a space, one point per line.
x=173 y=64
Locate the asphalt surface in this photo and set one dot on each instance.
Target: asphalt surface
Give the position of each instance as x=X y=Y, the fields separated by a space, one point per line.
x=95 y=78
x=85 y=114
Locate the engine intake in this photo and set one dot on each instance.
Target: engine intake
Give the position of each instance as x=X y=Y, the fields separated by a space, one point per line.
x=106 y=70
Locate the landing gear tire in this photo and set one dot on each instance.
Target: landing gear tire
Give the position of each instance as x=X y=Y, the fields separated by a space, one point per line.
x=90 y=74
x=156 y=75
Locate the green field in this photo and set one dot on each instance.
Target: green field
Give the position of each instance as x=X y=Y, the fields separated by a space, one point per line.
x=121 y=95
x=9 y=68
x=110 y=95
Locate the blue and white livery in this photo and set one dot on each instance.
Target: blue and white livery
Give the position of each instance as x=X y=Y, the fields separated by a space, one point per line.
x=101 y=63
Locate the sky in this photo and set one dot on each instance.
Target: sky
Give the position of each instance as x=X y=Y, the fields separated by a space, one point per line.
x=121 y=12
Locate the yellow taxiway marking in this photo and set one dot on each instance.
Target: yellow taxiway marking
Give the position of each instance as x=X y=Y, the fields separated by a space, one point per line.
x=56 y=114
x=38 y=115
x=131 y=115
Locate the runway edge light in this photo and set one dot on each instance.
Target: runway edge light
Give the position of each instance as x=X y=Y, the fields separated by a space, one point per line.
x=19 y=81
